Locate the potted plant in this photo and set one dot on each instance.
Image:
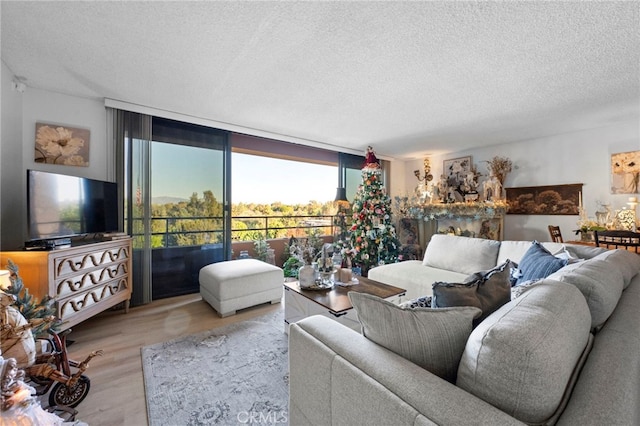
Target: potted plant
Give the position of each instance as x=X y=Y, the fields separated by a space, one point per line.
x=586 y=228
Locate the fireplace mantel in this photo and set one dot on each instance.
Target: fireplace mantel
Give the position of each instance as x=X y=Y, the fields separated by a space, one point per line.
x=472 y=219
x=434 y=211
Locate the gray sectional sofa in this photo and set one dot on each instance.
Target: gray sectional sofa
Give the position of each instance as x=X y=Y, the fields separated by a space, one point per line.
x=565 y=351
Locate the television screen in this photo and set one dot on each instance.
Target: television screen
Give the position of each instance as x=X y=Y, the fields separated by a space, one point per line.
x=63 y=206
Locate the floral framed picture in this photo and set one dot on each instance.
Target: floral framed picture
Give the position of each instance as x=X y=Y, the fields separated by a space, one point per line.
x=61 y=145
x=625 y=172
x=455 y=170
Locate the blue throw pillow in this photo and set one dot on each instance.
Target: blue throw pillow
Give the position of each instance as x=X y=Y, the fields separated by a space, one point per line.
x=538 y=263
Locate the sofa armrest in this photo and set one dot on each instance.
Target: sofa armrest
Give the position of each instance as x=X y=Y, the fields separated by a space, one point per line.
x=338 y=376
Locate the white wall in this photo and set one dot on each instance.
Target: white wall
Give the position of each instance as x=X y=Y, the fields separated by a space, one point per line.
x=580 y=157
x=398 y=180
x=20 y=112
x=12 y=210
x=48 y=107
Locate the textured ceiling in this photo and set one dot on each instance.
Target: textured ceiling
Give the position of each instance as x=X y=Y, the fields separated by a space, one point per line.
x=409 y=78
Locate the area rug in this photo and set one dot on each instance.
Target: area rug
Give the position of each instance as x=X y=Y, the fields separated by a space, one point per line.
x=237 y=374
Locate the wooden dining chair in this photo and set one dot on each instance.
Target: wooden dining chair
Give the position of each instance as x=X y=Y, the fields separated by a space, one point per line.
x=556 y=235
x=627 y=240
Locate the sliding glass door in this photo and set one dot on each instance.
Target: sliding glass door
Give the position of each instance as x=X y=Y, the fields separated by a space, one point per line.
x=177 y=210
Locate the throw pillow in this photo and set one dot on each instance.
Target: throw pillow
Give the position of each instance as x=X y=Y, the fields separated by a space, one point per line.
x=420 y=302
x=445 y=252
x=518 y=290
x=434 y=339
x=487 y=290
x=537 y=263
x=565 y=254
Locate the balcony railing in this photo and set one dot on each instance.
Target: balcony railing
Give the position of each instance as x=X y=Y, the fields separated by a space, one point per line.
x=197 y=230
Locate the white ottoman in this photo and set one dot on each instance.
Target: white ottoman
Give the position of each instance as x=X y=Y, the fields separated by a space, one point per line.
x=238 y=284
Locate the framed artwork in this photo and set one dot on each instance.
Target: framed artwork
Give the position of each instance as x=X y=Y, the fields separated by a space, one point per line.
x=625 y=172
x=408 y=232
x=455 y=170
x=475 y=228
x=409 y=237
x=62 y=145
x=551 y=199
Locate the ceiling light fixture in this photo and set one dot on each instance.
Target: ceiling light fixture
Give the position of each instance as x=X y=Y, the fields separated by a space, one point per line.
x=341 y=193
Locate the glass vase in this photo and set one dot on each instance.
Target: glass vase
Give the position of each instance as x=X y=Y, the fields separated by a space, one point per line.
x=306 y=276
x=271 y=256
x=587 y=236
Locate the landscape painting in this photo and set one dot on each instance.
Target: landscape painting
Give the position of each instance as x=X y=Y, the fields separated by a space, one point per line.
x=550 y=200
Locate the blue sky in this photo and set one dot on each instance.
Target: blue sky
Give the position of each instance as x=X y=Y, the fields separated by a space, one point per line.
x=255 y=179
x=265 y=180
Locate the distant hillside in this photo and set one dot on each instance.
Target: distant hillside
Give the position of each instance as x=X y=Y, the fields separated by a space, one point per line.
x=167 y=200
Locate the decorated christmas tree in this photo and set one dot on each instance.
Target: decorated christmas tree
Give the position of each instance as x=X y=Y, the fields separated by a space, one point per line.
x=372 y=236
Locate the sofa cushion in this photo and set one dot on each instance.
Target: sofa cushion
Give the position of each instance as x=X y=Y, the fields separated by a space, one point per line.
x=522 y=357
x=626 y=262
x=413 y=276
x=461 y=254
x=584 y=252
x=515 y=250
x=601 y=283
x=431 y=338
x=612 y=369
x=537 y=263
x=487 y=290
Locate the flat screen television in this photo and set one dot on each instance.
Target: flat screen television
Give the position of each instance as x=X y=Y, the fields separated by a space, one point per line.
x=61 y=206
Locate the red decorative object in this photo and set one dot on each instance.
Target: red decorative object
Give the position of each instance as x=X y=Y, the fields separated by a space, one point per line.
x=371 y=161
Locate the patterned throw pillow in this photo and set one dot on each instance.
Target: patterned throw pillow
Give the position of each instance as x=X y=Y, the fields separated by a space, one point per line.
x=487 y=290
x=434 y=339
x=420 y=302
x=538 y=263
x=520 y=289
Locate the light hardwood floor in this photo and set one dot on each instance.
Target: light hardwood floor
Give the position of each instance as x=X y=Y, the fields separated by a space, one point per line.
x=117 y=394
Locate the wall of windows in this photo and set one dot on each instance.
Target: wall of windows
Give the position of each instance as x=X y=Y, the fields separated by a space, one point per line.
x=179 y=181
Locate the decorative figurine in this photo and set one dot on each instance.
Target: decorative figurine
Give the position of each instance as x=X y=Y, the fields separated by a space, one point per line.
x=492 y=189
x=443 y=193
x=52 y=369
x=18 y=405
x=370 y=159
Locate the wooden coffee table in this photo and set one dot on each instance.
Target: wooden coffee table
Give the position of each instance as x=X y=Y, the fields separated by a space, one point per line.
x=333 y=303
